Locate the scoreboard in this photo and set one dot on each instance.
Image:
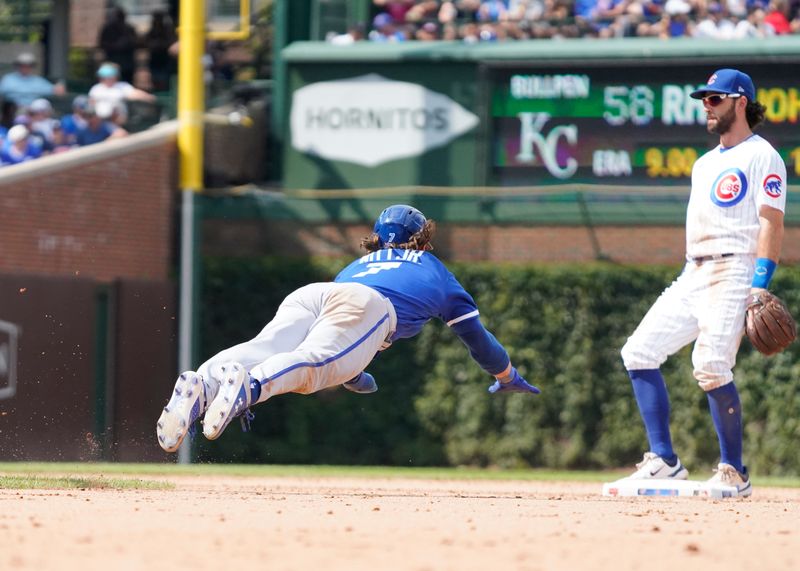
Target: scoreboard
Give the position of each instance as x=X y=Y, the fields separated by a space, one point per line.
x=623 y=124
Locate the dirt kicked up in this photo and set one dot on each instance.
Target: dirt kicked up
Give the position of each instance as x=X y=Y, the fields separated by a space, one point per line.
x=353 y=524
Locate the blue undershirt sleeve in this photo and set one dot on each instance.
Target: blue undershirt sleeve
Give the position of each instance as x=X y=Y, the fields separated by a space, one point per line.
x=483 y=347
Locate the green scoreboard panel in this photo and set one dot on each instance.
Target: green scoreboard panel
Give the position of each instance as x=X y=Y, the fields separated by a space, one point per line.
x=627 y=124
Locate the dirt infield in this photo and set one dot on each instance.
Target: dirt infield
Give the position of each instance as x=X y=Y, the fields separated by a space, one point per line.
x=333 y=523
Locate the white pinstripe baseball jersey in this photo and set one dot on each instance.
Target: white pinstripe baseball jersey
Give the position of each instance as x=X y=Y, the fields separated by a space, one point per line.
x=729 y=185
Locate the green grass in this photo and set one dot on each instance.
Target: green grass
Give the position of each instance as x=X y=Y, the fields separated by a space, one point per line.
x=30 y=481
x=368 y=472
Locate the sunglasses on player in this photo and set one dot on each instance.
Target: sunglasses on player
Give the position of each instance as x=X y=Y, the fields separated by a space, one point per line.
x=714 y=100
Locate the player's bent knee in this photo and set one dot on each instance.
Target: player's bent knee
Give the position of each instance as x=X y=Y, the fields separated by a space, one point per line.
x=710 y=381
x=637 y=357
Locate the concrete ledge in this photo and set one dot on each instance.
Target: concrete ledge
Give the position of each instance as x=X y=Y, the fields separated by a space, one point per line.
x=153 y=137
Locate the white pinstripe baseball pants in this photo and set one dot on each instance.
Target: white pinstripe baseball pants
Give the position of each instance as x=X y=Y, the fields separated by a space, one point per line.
x=707 y=303
x=322 y=335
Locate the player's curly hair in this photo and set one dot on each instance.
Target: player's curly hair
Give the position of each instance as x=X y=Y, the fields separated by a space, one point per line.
x=419 y=241
x=754 y=112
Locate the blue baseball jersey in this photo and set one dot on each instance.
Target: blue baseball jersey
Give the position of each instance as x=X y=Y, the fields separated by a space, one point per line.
x=419 y=286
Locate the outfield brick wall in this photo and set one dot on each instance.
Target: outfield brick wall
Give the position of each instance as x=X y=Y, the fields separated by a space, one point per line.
x=102 y=212
x=513 y=244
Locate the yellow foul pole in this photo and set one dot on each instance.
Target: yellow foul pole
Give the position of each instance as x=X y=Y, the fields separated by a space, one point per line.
x=191 y=107
x=191 y=100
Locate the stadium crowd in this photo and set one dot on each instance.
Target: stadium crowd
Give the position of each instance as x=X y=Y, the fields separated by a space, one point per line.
x=492 y=20
x=30 y=126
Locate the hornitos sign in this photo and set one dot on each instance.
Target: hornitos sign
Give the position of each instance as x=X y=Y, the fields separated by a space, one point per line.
x=369 y=120
x=9 y=334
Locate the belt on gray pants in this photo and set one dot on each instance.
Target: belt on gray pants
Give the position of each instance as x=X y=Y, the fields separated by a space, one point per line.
x=712 y=257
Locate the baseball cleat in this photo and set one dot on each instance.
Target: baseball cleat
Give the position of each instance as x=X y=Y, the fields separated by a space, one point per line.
x=232 y=400
x=187 y=403
x=653 y=467
x=727 y=475
x=363 y=383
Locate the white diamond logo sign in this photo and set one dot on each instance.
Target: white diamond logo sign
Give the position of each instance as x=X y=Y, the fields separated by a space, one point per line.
x=369 y=120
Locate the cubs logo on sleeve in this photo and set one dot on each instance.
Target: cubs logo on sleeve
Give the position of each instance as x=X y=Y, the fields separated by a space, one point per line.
x=729 y=189
x=773 y=185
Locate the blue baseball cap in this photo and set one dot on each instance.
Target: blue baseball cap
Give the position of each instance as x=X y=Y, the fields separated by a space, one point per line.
x=107 y=70
x=729 y=81
x=382 y=20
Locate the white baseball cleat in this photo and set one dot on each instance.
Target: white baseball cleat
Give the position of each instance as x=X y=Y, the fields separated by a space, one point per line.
x=653 y=467
x=727 y=475
x=187 y=403
x=232 y=400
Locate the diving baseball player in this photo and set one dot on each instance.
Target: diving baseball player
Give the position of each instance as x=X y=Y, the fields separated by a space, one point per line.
x=734 y=230
x=325 y=334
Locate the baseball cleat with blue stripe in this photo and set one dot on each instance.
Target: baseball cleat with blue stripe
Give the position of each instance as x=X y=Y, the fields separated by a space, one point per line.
x=187 y=403
x=654 y=467
x=232 y=400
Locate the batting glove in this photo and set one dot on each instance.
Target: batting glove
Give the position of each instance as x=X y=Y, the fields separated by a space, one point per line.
x=363 y=383
x=516 y=385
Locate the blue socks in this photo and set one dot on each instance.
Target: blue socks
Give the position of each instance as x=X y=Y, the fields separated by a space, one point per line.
x=651 y=396
x=726 y=411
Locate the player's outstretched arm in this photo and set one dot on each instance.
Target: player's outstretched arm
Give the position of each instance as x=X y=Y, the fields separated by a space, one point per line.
x=492 y=357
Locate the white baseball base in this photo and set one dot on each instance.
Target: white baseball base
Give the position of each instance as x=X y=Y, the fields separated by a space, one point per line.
x=667 y=488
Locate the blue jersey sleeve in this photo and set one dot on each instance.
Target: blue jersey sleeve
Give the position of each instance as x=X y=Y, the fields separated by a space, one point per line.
x=483 y=347
x=458 y=305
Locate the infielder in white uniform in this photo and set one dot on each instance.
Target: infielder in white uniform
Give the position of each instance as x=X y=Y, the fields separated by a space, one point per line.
x=325 y=334
x=734 y=230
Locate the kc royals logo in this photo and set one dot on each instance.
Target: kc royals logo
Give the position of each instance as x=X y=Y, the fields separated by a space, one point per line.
x=773 y=185
x=729 y=188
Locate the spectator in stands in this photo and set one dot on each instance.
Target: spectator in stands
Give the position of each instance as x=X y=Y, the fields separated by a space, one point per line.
x=585 y=9
x=737 y=8
x=465 y=10
x=753 y=25
x=448 y=13
x=60 y=142
x=673 y=23
x=526 y=10
x=157 y=41
x=119 y=41
x=396 y=9
x=794 y=16
x=385 y=30
x=354 y=34
x=778 y=17
x=18 y=147
x=469 y=33
x=652 y=10
x=98 y=125
x=42 y=121
x=613 y=17
x=111 y=89
x=492 y=11
x=428 y=32
x=22 y=85
x=423 y=11
x=714 y=24
x=75 y=121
